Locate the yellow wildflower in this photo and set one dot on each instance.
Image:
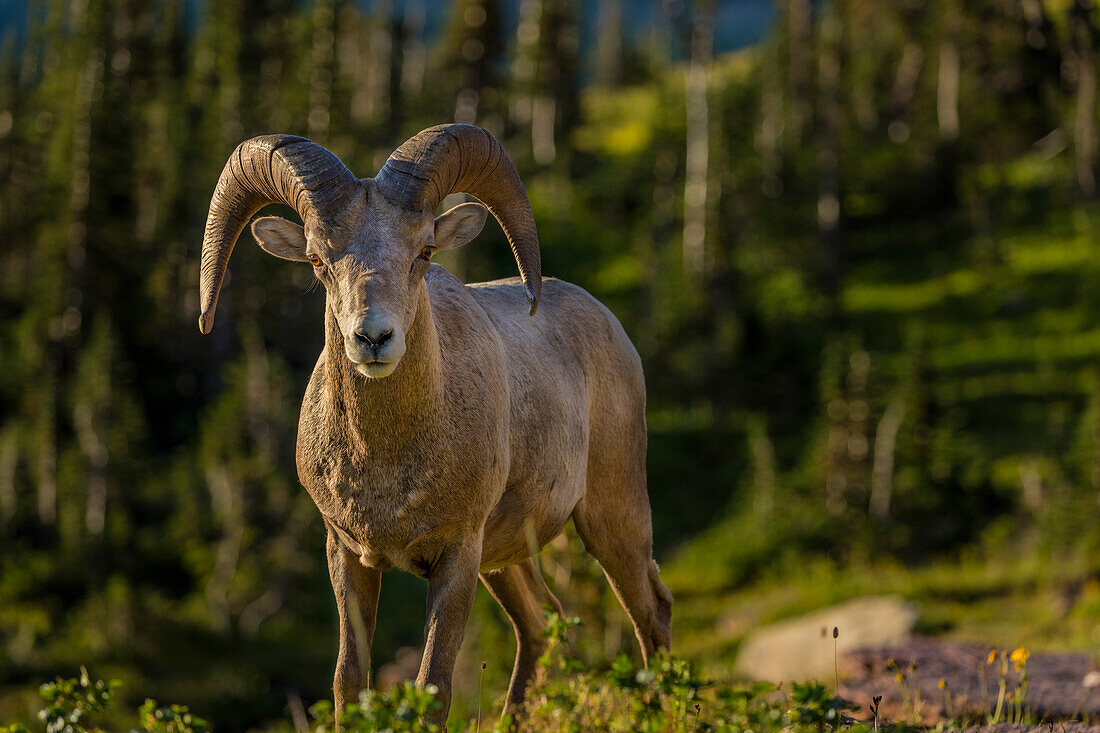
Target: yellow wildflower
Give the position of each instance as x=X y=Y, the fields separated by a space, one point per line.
x=992 y=656
x=899 y=677
x=943 y=683
x=1019 y=658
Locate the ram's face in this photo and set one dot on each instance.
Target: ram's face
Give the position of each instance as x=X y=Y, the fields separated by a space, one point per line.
x=372 y=267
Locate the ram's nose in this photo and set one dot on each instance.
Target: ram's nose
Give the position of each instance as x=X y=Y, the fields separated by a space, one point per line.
x=373 y=334
x=375 y=343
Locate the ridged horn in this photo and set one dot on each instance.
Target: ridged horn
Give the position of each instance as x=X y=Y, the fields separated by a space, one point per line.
x=266 y=170
x=457 y=158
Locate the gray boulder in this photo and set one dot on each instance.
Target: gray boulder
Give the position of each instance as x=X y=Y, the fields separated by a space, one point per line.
x=802 y=648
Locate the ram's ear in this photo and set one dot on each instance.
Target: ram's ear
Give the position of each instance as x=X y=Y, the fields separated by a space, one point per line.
x=280 y=237
x=458 y=226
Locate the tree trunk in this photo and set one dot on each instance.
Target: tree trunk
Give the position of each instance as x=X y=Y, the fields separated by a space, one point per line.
x=828 y=151
x=769 y=142
x=799 y=26
x=320 y=78
x=47 y=459
x=9 y=460
x=379 y=66
x=762 y=452
x=610 y=51
x=1084 y=128
x=226 y=501
x=947 y=88
x=904 y=91
x=413 y=55
x=523 y=73
x=882 y=470
x=698 y=140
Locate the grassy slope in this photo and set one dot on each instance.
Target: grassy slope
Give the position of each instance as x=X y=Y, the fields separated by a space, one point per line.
x=1008 y=331
x=1010 y=601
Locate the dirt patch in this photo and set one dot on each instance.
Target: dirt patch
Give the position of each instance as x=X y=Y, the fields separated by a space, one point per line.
x=1069 y=727
x=1060 y=686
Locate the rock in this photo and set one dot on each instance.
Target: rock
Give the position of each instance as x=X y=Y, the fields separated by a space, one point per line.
x=802 y=648
x=1061 y=686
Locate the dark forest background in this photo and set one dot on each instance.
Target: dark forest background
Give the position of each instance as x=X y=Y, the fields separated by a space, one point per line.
x=859 y=259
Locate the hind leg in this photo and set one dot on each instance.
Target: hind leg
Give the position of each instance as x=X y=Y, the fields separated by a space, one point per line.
x=614 y=521
x=519 y=589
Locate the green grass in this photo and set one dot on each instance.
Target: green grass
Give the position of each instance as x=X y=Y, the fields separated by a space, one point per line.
x=987 y=594
x=1007 y=593
x=565 y=696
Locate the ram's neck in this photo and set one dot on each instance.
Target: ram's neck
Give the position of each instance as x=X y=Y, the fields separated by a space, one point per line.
x=383 y=414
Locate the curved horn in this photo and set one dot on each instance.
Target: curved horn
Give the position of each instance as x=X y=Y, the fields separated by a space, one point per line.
x=266 y=170
x=463 y=158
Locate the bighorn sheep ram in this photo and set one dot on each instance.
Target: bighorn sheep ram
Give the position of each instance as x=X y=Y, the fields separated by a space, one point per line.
x=444 y=432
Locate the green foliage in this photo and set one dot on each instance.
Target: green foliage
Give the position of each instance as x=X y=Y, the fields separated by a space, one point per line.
x=557 y=649
x=169 y=719
x=668 y=696
x=813 y=706
x=401 y=708
x=70 y=701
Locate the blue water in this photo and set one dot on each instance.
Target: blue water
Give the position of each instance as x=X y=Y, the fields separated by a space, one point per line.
x=739 y=23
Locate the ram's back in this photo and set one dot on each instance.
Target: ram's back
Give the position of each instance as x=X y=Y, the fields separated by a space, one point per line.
x=576 y=387
x=571 y=337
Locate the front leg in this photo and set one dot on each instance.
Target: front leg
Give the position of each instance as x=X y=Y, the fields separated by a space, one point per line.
x=356 y=588
x=452 y=583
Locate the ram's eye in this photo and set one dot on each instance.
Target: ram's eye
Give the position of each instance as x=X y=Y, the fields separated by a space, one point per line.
x=426 y=253
x=314 y=260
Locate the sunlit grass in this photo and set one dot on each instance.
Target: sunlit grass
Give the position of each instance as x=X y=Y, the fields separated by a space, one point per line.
x=999 y=597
